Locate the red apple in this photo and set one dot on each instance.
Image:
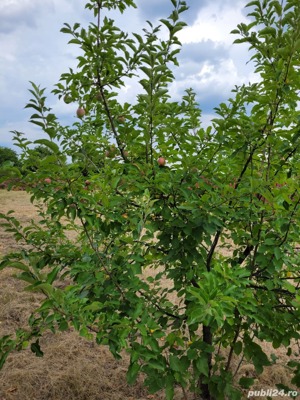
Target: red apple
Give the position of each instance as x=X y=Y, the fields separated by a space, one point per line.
x=161 y=161
x=47 y=180
x=80 y=112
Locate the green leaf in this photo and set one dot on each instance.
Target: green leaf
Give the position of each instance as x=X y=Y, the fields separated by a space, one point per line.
x=132 y=373
x=178 y=364
x=155 y=364
x=53 y=274
x=277 y=253
x=94 y=307
x=27 y=276
x=3 y=358
x=74 y=41
x=202 y=366
x=47 y=143
x=238 y=347
x=35 y=348
x=170 y=387
x=267 y=31
x=63 y=325
x=14 y=264
x=66 y=30
x=255 y=3
x=246 y=383
x=41 y=124
x=41 y=287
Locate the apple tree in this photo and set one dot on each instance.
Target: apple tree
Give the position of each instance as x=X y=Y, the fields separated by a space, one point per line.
x=185 y=249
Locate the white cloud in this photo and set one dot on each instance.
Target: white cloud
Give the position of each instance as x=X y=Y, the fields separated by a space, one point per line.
x=215 y=65
x=18 y=13
x=214 y=22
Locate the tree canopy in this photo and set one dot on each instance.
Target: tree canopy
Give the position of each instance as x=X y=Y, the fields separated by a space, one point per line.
x=185 y=235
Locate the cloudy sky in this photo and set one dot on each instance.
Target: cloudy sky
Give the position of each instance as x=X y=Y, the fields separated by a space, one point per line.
x=33 y=49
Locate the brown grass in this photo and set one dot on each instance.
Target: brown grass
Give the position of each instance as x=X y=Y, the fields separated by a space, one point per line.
x=72 y=367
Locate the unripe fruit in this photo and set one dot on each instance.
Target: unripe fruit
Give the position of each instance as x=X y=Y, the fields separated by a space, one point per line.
x=161 y=161
x=121 y=119
x=47 y=180
x=68 y=99
x=98 y=96
x=80 y=112
x=111 y=152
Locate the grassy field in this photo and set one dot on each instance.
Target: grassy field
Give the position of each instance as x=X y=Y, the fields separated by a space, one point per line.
x=73 y=368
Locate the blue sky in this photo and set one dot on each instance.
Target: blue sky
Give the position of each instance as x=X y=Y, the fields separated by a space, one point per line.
x=33 y=49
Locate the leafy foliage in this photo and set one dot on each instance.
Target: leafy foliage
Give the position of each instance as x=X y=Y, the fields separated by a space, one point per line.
x=33 y=159
x=148 y=271
x=8 y=155
x=9 y=167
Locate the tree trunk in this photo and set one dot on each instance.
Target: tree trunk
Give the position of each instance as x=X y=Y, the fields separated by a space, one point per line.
x=207 y=338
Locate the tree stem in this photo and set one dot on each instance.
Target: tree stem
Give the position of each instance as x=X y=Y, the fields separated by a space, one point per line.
x=204 y=387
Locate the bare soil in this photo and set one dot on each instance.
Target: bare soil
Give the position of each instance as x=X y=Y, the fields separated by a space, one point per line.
x=72 y=367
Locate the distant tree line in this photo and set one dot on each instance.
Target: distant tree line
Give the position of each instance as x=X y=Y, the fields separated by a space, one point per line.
x=14 y=166
x=8 y=155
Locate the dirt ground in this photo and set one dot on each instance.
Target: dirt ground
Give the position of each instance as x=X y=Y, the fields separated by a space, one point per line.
x=73 y=368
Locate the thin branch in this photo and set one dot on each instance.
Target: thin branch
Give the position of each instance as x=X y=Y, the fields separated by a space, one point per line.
x=236 y=336
x=100 y=259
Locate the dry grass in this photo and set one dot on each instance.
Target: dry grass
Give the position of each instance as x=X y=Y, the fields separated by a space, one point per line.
x=73 y=368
